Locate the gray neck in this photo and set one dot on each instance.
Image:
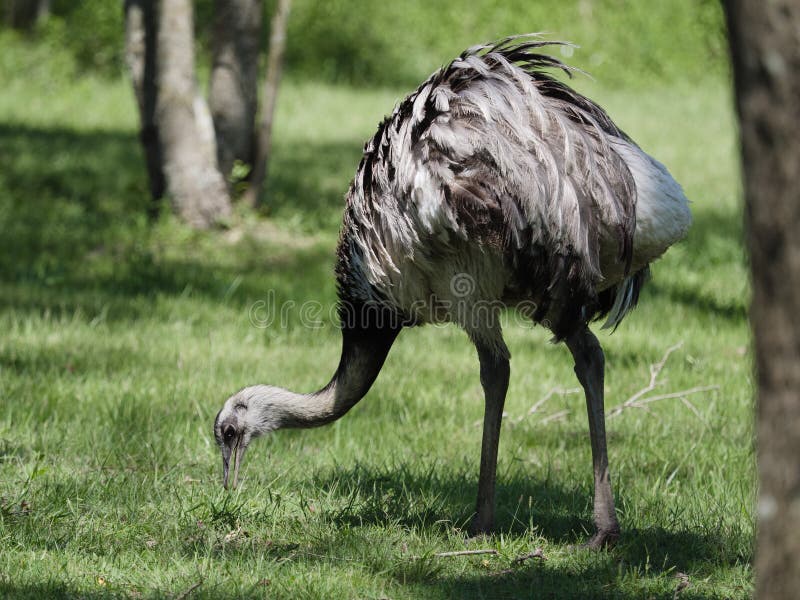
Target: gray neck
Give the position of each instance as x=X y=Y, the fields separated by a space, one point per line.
x=363 y=355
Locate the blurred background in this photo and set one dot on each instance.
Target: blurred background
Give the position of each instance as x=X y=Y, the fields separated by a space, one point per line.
x=360 y=42
x=73 y=173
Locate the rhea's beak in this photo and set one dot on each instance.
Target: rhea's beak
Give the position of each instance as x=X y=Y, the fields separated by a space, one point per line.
x=236 y=453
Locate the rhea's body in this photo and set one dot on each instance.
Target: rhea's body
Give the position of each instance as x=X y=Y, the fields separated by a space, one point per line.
x=492 y=185
x=495 y=176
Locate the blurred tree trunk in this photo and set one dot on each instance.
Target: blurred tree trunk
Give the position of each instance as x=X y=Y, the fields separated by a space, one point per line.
x=24 y=14
x=140 y=57
x=277 y=47
x=196 y=187
x=42 y=11
x=765 y=46
x=233 y=93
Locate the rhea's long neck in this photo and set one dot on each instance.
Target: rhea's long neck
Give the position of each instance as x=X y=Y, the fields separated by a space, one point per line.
x=364 y=350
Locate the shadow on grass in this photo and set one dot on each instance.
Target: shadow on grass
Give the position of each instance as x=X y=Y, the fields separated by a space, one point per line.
x=561 y=515
x=525 y=583
x=73 y=205
x=430 y=504
x=76 y=238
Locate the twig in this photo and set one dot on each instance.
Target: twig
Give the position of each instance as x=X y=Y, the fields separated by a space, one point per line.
x=655 y=370
x=188 y=590
x=696 y=412
x=638 y=399
x=538 y=553
x=555 y=416
x=465 y=553
x=643 y=403
x=681 y=394
x=693 y=408
x=683 y=583
x=550 y=394
x=538 y=404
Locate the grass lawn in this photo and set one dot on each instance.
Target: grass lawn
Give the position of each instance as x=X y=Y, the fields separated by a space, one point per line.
x=120 y=341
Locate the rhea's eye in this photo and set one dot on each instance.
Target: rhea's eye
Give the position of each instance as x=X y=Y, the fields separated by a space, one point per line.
x=229 y=433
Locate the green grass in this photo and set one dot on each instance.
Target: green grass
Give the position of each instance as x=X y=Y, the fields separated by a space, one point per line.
x=396 y=44
x=120 y=341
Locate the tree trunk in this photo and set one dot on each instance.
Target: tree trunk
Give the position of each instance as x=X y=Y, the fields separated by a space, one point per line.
x=140 y=57
x=765 y=46
x=42 y=11
x=24 y=14
x=196 y=187
x=233 y=93
x=277 y=46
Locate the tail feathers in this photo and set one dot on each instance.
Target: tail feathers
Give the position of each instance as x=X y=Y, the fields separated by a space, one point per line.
x=627 y=295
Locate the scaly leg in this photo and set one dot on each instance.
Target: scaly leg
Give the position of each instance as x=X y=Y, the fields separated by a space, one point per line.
x=589 y=367
x=495 y=371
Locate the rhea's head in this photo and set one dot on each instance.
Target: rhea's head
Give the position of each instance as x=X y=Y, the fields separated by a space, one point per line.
x=244 y=416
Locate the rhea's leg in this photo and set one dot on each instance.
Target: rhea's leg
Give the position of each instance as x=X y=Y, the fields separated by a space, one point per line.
x=589 y=367
x=494 y=379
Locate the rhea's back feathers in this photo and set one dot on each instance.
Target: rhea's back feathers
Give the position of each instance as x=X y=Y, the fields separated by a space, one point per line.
x=496 y=170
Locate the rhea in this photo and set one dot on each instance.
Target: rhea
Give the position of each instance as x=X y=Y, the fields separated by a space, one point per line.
x=493 y=185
